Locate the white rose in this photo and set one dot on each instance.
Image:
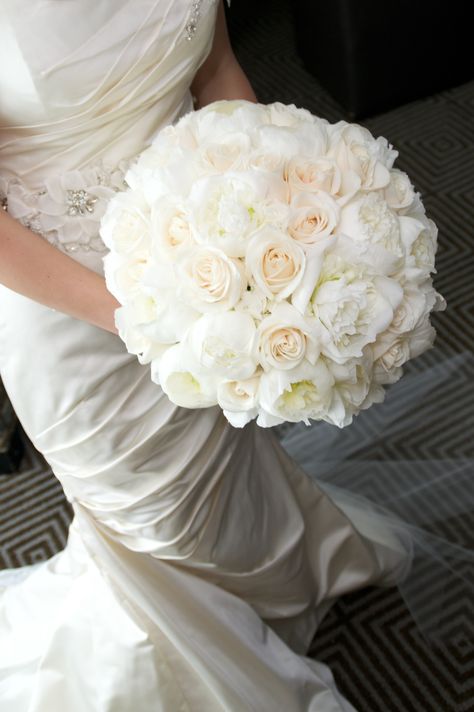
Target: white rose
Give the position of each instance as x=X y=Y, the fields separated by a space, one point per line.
x=418 y=301
x=224 y=344
x=227 y=209
x=369 y=219
x=298 y=394
x=123 y=277
x=170 y=228
x=394 y=353
x=239 y=400
x=399 y=193
x=285 y=338
x=275 y=261
x=125 y=226
x=310 y=175
x=356 y=150
x=227 y=152
x=313 y=216
x=353 y=301
x=208 y=280
x=181 y=379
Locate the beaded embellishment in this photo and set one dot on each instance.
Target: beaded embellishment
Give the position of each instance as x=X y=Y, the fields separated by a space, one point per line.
x=67 y=209
x=192 y=21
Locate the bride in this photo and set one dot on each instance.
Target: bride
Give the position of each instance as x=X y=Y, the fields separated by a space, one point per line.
x=201 y=558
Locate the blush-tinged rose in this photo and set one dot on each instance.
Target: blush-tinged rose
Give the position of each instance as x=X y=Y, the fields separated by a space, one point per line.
x=275 y=261
x=313 y=216
x=228 y=152
x=208 y=280
x=285 y=338
x=309 y=175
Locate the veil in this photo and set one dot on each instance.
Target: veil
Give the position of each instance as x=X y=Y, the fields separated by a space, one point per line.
x=411 y=460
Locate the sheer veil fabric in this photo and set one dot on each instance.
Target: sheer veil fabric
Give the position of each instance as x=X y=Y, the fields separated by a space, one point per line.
x=201 y=558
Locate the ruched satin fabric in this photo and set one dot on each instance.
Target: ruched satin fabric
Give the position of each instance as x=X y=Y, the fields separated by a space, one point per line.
x=201 y=558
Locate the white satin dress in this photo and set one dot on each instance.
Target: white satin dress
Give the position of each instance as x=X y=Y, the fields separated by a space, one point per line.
x=201 y=558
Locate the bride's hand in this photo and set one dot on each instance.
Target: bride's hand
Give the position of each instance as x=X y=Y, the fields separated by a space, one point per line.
x=31 y=266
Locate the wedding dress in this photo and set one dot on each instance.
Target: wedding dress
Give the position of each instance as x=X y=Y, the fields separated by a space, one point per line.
x=201 y=558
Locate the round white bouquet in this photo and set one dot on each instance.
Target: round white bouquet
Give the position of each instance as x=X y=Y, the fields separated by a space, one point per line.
x=271 y=263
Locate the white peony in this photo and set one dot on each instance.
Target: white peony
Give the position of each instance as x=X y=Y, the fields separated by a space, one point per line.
x=224 y=344
x=181 y=379
x=370 y=219
x=298 y=394
x=352 y=301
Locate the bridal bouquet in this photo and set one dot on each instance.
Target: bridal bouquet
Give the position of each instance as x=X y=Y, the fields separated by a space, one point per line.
x=271 y=263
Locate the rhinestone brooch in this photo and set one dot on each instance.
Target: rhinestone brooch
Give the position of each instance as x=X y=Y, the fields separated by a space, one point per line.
x=80 y=202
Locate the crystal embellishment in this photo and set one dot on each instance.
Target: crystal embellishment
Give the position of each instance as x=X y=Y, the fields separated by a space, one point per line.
x=193 y=18
x=80 y=202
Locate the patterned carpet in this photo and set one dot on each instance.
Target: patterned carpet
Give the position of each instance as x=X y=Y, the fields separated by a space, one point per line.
x=368 y=638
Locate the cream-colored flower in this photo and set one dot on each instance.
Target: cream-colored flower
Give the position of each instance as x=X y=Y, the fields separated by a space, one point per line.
x=208 y=280
x=313 y=217
x=275 y=261
x=308 y=175
x=399 y=193
x=370 y=219
x=285 y=338
x=224 y=344
x=300 y=393
x=226 y=210
x=357 y=152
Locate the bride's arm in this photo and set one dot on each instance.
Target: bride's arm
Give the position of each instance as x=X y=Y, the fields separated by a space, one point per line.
x=221 y=76
x=31 y=266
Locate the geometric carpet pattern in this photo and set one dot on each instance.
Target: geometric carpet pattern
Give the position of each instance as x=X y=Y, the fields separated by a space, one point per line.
x=368 y=638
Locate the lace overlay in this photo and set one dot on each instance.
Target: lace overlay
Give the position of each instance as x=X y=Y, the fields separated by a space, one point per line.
x=66 y=210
